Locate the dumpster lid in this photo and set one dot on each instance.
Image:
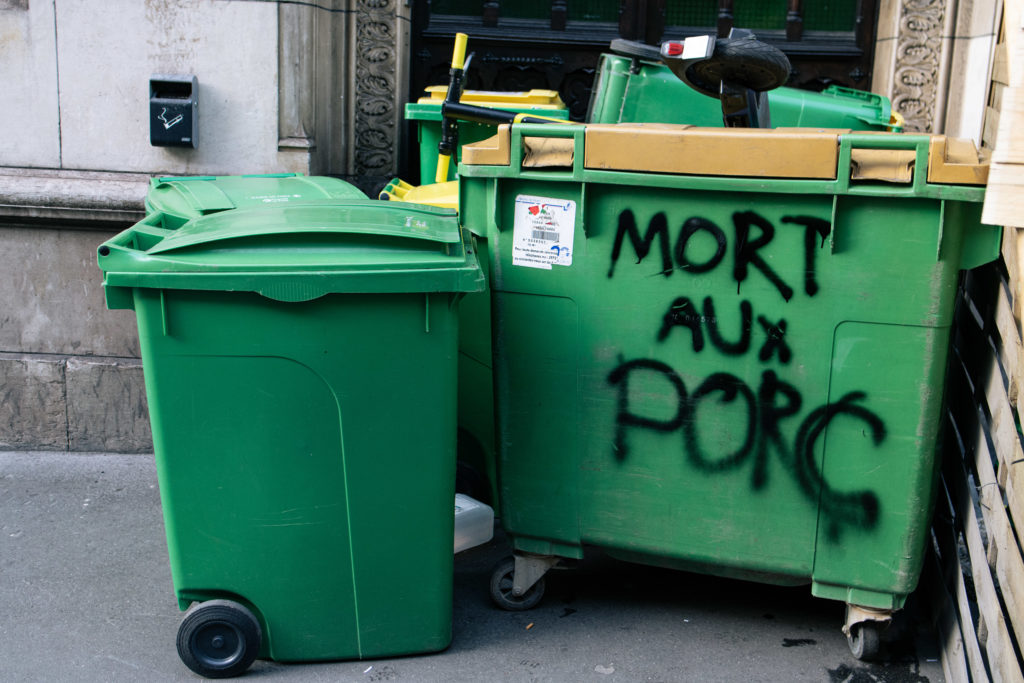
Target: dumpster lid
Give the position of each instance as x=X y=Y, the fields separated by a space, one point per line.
x=797 y=153
x=330 y=217
x=658 y=148
x=189 y=197
x=298 y=252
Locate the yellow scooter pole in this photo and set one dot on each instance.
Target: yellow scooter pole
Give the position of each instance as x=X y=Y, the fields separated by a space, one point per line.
x=449 y=128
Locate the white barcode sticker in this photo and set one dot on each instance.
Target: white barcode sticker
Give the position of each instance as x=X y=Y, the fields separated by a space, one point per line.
x=543 y=231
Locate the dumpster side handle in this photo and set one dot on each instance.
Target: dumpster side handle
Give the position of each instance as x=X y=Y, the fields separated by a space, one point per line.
x=537 y=130
x=493 y=204
x=163 y=314
x=919 y=144
x=832 y=220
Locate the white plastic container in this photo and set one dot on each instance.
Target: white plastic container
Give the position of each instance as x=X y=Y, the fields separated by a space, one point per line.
x=474 y=522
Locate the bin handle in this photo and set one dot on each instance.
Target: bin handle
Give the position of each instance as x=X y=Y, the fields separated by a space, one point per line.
x=568 y=130
x=123 y=239
x=919 y=144
x=126 y=240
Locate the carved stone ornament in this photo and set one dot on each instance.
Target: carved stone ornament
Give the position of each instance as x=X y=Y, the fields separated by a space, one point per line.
x=918 y=45
x=375 y=125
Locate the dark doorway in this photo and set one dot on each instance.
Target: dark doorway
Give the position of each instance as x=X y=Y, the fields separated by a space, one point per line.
x=555 y=44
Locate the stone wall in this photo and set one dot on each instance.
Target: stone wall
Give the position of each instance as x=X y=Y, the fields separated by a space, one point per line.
x=282 y=88
x=70 y=378
x=933 y=59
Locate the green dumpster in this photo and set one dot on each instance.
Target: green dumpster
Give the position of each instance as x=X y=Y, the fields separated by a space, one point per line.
x=723 y=349
x=652 y=93
x=300 y=364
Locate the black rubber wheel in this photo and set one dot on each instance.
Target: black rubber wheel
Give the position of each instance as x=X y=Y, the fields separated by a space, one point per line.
x=501 y=589
x=865 y=640
x=742 y=61
x=219 y=638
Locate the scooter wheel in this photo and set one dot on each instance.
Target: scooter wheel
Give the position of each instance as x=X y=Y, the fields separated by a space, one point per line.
x=742 y=61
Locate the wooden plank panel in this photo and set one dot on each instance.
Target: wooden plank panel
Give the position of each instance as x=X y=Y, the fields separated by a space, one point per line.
x=1003 y=424
x=1010 y=137
x=954 y=661
x=1011 y=258
x=1000 y=68
x=988 y=135
x=1009 y=338
x=1012 y=475
x=1010 y=460
x=1009 y=567
x=1017 y=283
x=954 y=579
x=1013 y=13
x=947 y=626
x=1004 y=197
x=1009 y=454
x=982 y=380
x=995 y=96
x=1003 y=552
x=998 y=644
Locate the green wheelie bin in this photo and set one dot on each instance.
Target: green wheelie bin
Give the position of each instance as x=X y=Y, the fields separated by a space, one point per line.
x=300 y=367
x=723 y=350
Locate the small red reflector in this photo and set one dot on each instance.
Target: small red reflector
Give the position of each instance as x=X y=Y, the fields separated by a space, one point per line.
x=674 y=48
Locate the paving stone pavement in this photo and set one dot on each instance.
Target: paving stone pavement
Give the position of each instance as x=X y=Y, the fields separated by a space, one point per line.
x=86 y=595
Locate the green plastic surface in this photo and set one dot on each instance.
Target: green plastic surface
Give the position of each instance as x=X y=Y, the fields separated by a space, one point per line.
x=306 y=459
x=300 y=368
x=476 y=388
x=190 y=197
x=734 y=375
x=655 y=95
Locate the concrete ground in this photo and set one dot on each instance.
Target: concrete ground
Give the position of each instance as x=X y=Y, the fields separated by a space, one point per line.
x=86 y=595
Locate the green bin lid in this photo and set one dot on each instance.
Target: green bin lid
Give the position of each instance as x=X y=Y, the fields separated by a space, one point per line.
x=296 y=252
x=189 y=197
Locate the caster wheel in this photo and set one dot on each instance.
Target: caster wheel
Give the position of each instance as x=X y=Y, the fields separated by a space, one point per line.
x=865 y=641
x=219 y=638
x=501 y=589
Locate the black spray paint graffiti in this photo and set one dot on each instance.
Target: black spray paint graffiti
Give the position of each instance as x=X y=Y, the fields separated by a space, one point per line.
x=775 y=401
x=683 y=313
x=745 y=252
